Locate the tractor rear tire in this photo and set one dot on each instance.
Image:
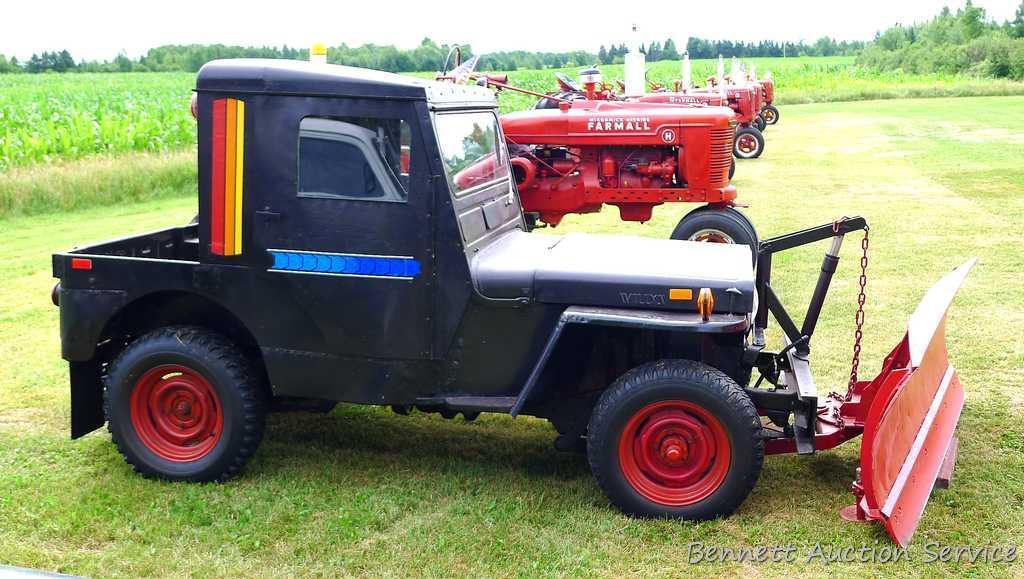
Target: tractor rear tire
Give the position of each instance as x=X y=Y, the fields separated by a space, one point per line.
x=760 y=123
x=749 y=143
x=184 y=404
x=770 y=114
x=675 y=439
x=717 y=225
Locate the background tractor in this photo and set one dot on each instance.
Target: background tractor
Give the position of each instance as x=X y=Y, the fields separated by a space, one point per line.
x=582 y=148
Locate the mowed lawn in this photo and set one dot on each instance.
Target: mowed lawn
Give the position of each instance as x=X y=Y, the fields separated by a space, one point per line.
x=363 y=491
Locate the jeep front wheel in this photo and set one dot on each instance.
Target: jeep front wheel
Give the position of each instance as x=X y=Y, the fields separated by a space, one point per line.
x=183 y=403
x=677 y=439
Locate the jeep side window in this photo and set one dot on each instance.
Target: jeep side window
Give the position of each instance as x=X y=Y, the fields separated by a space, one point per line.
x=470 y=149
x=355 y=158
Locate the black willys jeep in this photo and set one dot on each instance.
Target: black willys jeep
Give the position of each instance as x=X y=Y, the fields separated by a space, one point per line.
x=339 y=255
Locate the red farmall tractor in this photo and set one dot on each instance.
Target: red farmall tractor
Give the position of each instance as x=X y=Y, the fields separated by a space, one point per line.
x=744 y=98
x=588 y=151
x=769 y=112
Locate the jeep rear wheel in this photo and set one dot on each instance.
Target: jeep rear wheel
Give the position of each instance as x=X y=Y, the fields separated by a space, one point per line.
x=183 y=403
x=675 y=438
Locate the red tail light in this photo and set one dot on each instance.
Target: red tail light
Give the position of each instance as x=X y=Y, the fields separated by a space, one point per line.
x=81 y=263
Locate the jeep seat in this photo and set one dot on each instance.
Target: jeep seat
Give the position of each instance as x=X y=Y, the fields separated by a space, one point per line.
x=614 y=271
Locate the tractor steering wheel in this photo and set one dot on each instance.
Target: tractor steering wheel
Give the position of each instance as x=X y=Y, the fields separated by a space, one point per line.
x=567 y=84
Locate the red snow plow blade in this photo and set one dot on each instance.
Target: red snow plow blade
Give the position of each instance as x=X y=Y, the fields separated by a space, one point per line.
x=915 y=403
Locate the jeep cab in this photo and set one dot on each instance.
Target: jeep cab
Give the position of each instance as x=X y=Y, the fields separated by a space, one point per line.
x=338 y=258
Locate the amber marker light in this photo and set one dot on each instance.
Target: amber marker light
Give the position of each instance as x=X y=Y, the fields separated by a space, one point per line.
x=680 y=294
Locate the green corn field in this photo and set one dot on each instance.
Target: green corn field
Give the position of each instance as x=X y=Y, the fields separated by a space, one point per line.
x=50 y=117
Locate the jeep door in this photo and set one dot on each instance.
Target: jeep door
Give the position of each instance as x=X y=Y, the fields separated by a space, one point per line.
x=345 y=220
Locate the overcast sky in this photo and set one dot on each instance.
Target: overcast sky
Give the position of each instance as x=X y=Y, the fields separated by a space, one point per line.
x=99 y=30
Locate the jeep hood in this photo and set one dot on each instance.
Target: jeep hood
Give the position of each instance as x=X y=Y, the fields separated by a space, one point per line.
x=614 y=271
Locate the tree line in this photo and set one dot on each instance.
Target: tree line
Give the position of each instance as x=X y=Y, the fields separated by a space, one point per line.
x=427 y=57
x=966 y=41
x=704 y=48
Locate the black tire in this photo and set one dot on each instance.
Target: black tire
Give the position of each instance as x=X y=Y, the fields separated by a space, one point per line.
x=732 y=169
x=717 y=225
x=233 y=386
x=772 y=115
x=749 y=143
x=760 y=123
x=677 y=382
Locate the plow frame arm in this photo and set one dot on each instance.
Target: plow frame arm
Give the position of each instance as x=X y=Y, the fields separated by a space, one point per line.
x=769 y=302
x=789 y=369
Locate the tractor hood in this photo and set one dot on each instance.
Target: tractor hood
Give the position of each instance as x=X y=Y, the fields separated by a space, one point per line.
x=615 y=271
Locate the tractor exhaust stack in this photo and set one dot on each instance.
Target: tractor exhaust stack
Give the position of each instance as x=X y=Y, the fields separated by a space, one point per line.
x=636 y=64
x=687 y=73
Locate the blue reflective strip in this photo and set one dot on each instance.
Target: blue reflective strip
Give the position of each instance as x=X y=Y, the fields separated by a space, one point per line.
x=341 y=263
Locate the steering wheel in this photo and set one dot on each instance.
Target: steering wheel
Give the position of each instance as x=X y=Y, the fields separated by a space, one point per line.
x=567 y=84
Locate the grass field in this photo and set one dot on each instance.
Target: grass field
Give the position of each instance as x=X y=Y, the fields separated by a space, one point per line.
x=45 y=118
x=361 y=491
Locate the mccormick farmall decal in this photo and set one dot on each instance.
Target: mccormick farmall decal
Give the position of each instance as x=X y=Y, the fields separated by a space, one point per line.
x=619 y=124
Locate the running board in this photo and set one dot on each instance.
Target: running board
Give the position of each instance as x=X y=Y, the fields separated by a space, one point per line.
x=501 y=404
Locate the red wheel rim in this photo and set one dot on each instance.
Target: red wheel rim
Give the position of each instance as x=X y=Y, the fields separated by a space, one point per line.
x=712 y=236
x=674 y=453
x=747 y=143
x=176 y=413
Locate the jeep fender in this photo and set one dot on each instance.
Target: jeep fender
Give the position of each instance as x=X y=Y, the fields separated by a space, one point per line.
x=670 y=321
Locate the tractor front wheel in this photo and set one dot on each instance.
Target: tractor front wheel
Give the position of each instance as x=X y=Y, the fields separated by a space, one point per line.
x=675 y=439
x=749 y=143
x=717 y=225
x=760 y=122
x=732 y=169
x=770 y=114
x=183 y=403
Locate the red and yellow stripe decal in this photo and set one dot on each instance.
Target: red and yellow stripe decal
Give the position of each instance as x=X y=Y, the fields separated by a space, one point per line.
x=228 y=161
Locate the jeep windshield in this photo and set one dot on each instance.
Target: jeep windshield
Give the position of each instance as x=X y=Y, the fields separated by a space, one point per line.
x=470 y=149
